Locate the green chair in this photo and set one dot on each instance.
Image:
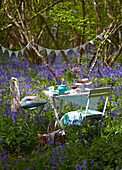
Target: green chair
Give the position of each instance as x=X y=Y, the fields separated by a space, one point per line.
x=78 y=117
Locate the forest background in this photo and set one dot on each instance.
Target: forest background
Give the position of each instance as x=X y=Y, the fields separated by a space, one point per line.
x=61 y=25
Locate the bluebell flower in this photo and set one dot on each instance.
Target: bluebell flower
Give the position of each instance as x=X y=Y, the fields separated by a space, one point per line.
x=84 y=165
x=1 y=141
x=54 y=168
x=78 y=167
x=25 y=159
x=32 y=163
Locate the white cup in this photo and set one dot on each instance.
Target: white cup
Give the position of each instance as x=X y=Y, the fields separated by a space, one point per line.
x=51 y=88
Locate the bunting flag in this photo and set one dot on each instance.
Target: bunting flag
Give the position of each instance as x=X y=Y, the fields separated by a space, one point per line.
x=91 y=42
x=100 y=36
x=48 y=51
x=16 y=53
x=10 y=52
x=120 y=35
x=40 y=48
x=75 y=49
x=66 y=51
x=57 y=52
x=83 y=46
x=33 y=43
x=3 y=49
x=22 y=51
x=28 y=46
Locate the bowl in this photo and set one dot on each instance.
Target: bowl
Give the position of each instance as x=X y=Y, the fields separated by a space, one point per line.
x=73 y=87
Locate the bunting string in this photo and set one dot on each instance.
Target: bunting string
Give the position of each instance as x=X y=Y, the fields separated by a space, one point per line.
x=40 y=48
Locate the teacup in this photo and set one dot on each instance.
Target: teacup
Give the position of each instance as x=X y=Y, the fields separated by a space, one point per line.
x=51 y=88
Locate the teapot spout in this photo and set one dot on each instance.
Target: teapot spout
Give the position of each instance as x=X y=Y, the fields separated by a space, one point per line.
x=67 y=87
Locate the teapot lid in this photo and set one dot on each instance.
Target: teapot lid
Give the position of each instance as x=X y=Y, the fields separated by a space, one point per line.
x=62 y=85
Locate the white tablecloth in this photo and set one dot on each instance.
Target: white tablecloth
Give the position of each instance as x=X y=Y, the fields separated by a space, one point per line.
x=79 y=98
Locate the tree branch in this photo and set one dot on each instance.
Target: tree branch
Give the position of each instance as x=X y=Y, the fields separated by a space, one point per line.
x=107 y=35
x=43 y=59
x=45 y=9
x=116 y=55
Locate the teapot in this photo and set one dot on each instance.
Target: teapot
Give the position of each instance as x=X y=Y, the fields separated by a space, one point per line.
x=62 y=88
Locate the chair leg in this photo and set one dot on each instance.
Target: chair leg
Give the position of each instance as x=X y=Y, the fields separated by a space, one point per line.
x=42 y=108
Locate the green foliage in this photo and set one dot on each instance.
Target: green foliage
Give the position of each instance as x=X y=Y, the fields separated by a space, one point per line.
x=96 y=145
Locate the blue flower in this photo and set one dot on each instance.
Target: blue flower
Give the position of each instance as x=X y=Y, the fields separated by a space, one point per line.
x=1 y=141
x=77 y=166
x=84 y=165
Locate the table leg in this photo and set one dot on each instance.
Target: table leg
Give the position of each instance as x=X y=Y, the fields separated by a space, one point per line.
x=56 y=113
x=82 y=87
x=60 y=106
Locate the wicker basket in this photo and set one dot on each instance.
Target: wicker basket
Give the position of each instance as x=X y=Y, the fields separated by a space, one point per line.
x=43 y=136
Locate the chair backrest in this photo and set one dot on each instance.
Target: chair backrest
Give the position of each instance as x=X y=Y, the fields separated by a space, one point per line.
x=98 y=92
x=15 y=92
x=22 y=81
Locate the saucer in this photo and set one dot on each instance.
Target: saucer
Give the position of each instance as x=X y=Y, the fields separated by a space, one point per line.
x=66 y=92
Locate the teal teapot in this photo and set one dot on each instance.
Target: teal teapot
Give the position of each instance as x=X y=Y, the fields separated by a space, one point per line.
x=62 y=88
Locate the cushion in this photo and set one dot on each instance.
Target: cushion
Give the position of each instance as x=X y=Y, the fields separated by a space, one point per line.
x=77 y=117
x=32 y=101
x=73 y=117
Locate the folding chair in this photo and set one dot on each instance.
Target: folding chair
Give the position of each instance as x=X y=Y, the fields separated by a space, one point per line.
x=28 y=102
x=78 y=117
x=22 y=81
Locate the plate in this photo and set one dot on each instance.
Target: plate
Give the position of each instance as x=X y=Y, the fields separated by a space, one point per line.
x=56 y=91
x=79 y=84
x=66 y=92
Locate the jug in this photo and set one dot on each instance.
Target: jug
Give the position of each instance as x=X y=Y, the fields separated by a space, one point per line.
x=62 y=88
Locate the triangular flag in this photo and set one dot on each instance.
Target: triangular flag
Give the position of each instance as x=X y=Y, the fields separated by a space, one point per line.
x=83 y=46
x=91 y=42
x=120 y=35
x=57 y=52
x=100 y=36
x=3 y=49
x=48 y=51
x=16 y=53
x=39 y=48
x=75 y=49
x=66 y=51
x=28 y=46
x=33 y=42
x=10 y=52
x=22 y=51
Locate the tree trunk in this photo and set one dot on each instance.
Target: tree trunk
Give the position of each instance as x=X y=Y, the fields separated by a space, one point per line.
x=83 y=32
x=99 y=22
x=115 y=56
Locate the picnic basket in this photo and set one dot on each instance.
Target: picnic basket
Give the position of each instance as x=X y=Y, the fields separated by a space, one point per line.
x=56 y=136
